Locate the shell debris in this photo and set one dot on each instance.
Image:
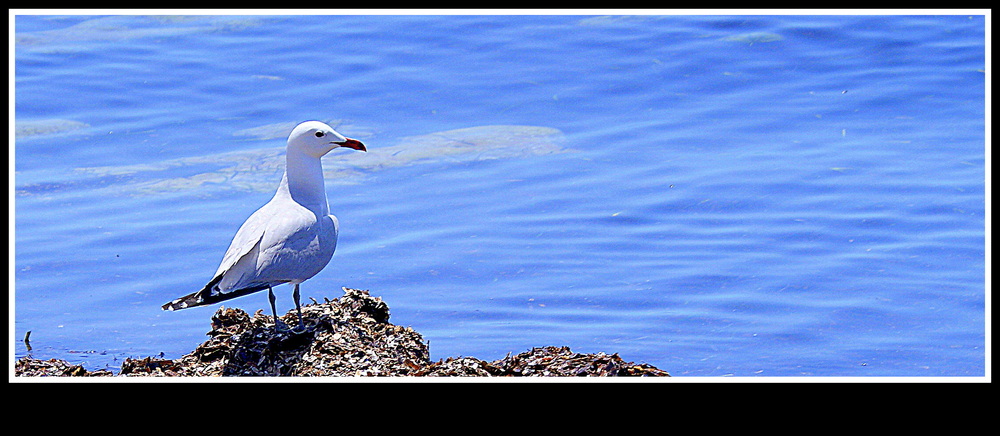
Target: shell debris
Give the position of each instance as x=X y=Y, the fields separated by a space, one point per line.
x=347 y=336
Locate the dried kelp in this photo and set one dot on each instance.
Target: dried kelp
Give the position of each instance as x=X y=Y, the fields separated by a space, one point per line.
x=349 y=336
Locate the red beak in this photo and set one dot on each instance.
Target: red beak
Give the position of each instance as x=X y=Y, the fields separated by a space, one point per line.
x=353 y=143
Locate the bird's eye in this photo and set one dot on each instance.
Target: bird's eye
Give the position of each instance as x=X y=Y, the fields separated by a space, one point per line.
x=319 y=134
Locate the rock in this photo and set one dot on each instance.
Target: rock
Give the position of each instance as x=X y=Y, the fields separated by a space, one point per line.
x=349 y=336
x=28 y=367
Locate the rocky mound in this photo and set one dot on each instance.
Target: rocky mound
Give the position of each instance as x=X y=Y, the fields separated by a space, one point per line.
x=348 y=336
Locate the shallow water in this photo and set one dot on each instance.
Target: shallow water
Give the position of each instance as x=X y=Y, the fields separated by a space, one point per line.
x=713 y=195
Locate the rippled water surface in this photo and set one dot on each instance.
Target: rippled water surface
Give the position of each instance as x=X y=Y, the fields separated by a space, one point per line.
x=713 y=195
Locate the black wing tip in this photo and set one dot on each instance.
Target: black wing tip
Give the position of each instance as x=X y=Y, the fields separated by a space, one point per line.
x=178 y=304
x=193 y=299
x=202 y=298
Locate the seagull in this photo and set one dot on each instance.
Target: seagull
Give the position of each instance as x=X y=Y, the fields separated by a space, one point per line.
x=289 y=239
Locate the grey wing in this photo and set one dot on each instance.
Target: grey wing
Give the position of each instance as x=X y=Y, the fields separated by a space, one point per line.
x=239 y=259
x=270 y=248
x=296 y=247
x=247 y=239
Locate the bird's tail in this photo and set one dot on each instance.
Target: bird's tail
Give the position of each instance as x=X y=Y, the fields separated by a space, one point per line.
x=210 y=295
x=184 y=302
x=193 y=299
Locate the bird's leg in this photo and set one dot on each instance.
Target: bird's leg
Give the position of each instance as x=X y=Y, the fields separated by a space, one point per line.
x=298 y=308
x=270 y=297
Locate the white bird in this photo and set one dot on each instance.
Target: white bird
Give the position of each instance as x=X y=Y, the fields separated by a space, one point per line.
x=289 y=239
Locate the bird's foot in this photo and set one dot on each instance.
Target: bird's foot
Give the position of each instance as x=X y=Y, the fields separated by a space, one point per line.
x=280 y=327
x=300 y=329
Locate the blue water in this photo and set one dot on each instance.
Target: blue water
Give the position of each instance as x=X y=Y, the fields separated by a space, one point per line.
x=736 y=195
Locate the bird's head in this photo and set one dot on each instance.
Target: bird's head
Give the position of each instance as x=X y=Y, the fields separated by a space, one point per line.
x=317 y=139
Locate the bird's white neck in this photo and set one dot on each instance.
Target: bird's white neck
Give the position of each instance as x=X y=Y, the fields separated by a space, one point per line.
x=303 y=182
